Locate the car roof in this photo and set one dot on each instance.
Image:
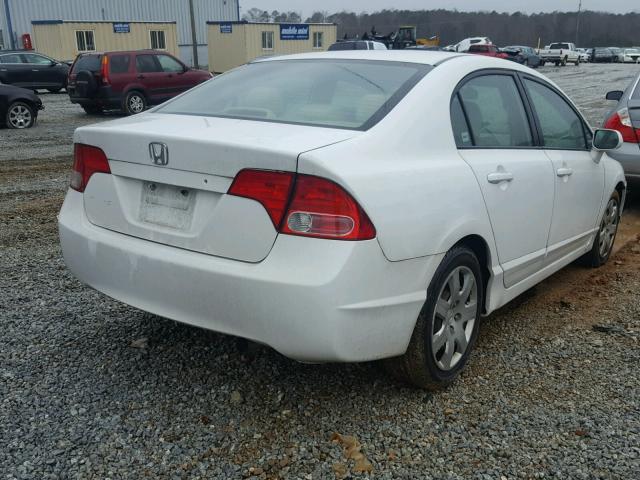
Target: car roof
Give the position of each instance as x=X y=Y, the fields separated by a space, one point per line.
x=409 y=56
x=2 y=52
x=115 y=52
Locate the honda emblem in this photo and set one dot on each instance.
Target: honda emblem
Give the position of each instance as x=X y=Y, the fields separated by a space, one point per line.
x=159 y=153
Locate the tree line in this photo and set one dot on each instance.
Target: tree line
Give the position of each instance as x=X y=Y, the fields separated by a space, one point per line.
x=594 y=28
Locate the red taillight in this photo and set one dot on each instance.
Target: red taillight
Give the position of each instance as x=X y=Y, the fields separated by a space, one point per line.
x=104 y=70
x=271 y=189
x=322 y=208
x=87 y=160
x=621 y=121
x=317 y=207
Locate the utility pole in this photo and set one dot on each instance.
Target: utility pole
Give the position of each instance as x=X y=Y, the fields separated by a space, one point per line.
x=578 y=20
x=194 y=36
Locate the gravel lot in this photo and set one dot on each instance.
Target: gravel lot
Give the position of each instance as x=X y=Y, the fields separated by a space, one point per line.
x=91 y=388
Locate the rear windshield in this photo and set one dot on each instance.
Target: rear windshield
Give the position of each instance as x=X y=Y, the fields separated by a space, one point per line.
x=352 y=94
x=87 y=62
x=559 y=46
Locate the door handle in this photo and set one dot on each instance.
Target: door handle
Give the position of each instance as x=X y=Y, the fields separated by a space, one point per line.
x=564 y=172
x=140 y=77
x=35 y=70
x=497 y=177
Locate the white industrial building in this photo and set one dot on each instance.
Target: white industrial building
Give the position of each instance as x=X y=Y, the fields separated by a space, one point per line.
x=16 y=17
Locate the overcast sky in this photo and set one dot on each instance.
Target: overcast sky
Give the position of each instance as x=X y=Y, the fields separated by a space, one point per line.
x=307 y=7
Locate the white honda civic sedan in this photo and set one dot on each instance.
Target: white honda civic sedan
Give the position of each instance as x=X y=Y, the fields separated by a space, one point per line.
x=344 y=206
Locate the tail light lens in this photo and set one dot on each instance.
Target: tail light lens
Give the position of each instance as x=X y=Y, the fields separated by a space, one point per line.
x=87 y=160
x=621 y=121
x=104 y=70
x=271 y=189
x=305 y=205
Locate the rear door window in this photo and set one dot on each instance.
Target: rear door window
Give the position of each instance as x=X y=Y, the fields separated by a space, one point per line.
x=147 y=64
x=495 y=111
x=561 y=127
x=119 y=63
x=11 y=58
x=461 y=130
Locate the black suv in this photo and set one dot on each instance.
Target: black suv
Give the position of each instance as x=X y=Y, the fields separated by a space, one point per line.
x=32 y=70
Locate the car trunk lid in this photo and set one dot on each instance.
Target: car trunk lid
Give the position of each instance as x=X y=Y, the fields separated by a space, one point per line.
x=170 y=174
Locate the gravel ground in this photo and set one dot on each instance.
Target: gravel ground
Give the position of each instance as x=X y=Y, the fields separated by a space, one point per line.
x=91 y=388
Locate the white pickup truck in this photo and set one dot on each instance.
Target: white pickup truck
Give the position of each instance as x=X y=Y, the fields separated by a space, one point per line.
x=560 y=53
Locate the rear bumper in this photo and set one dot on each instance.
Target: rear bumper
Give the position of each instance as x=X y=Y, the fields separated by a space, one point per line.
x=104 y=97
x=629 y=157
x=312 y=300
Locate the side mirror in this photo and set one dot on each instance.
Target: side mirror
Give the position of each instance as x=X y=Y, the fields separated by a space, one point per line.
x=605 y=139
x=614 y=95
x=53 y=63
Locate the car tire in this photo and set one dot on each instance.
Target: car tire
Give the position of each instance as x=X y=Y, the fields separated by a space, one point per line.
x=577 y=62
x=564 y=61
x=54 y=90
x=20 y=115
x=92 y=109
x=606 y=235
x=526 y=62
x=134 y=102
x=436 y=353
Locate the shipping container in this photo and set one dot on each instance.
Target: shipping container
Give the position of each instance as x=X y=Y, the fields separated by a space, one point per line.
x=234 y=43
x=16 y=17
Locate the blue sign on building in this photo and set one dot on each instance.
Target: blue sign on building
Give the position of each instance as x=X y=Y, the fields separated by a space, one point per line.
x=226 y=28
x=291 y=31
x=121 y=28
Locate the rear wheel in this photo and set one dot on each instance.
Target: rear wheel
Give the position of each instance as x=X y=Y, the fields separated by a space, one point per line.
x=54 y=90
x=134 y=102
x=447 y=326
x=577 y=62
x=20 y=115
x=564 y=61
x=606 y=236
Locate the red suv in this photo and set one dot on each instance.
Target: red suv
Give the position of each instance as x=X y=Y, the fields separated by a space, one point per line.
x=487 y=51
x=129 y=81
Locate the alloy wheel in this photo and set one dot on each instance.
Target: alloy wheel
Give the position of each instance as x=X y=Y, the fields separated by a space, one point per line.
x=608 y=228
x=454 y=318
x=136 y=103
x=20 y=116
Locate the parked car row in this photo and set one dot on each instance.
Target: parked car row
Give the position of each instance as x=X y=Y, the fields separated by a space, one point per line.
x=128 y=81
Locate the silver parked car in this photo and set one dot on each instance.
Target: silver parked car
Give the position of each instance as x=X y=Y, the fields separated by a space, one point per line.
x=625 y=118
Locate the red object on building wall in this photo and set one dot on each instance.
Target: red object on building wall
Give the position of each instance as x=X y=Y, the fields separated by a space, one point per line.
x=26 y=41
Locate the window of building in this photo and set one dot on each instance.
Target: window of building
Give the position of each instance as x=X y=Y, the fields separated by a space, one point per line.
x=158 y=40
x=267 y=40
x=318 y=39
x=84 y=41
